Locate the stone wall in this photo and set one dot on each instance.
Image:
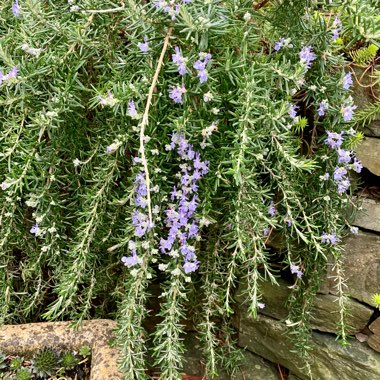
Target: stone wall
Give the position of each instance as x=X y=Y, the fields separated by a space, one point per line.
x=266 y=336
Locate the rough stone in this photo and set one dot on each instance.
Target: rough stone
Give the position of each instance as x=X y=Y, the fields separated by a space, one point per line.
x=361 y=262
x=256 y=368
x=252 y=367
x=373 y=129
x=375 y=326
x=361 y=337
x=369 y=216
x=368 y=152
x=266 y=337
x=292 y=376
x=19 y=339
x=374 y=340
x=324 y=313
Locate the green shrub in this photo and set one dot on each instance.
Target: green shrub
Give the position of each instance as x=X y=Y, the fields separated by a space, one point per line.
x=177 y=141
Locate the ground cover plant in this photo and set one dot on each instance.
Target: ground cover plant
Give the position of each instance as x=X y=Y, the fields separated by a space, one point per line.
x=170 y=141
x=47 y=363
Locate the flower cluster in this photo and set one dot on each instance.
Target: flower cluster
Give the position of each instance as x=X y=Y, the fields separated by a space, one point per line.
x=347 y=111
x=134 y=259
x=330 y=238
x=307 y=56
x=171 y=7
x=347 y=81
x=337 y=28
x=295 y=269
x=176 y=93
x=109 y=100
x=272 y=209
x=35 y=230
x=283 y=42
x=140 y=219
x=293 y=111
x=132 y=112
x=334 y=141
x=16 y=9
x=323 y=106
x=200 y=66
x=180 y=219
x=178 y=59
x=12 y=74
x=144 y=46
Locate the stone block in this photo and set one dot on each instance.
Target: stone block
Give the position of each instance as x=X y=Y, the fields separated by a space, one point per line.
x=252 y=366
x=267 y=338
x=368 y=152
x=369 y=216
x=19 y=339
x=325 y=313
x=374 y=340
x=361 y=261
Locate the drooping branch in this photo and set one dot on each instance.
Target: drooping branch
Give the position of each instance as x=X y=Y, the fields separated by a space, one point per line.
x=145 y=120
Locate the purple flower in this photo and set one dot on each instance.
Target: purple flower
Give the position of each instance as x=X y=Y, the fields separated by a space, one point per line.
x=12 y=74
x=16 y=9
x=334 y=140
x=176 y=93
x=337 y=27
x=178 y=59
x=334 y=239
x=260 y=305
x=109 y=100
x=343 y=185
x=339 y=173
x=293 y=111
x=202 y=75
x=329 y=238
x=307 y=56
x=144 y=46
x=323 y=106
x=283 y=42
x=325 y=238
x=294 y=269
x=171 y=8
x=266 y=231
x=35 y=229
x=347 y=81
x=357 y=165
x=132 y=109
x=272 y=209
x=279 y=44
x=347 y=112
x=131 y=260
x=200 y=66
x=344 y=156
x=189 y=267
x=180 y=218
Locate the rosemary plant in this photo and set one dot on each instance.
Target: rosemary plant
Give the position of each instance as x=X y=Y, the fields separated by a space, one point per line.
x=168 y=141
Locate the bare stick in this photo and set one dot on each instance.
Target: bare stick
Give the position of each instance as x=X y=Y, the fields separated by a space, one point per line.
x=144 y=122
x=113 y=10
